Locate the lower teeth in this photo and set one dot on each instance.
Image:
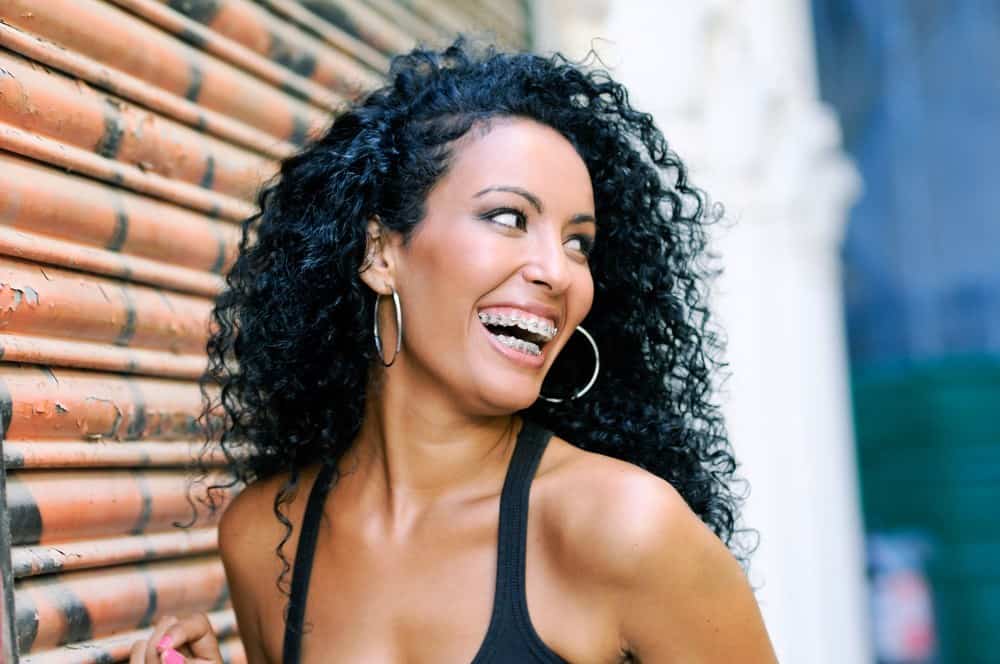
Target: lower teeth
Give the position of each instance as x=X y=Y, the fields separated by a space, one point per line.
x=519 y=344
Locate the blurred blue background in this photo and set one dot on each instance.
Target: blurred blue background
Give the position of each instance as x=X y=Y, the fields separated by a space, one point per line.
x=916 y=84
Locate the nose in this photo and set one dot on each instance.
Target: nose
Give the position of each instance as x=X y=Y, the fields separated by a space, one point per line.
x=547 y=263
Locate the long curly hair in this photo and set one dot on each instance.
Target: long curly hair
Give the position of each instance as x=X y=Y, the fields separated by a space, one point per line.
x=291 y=346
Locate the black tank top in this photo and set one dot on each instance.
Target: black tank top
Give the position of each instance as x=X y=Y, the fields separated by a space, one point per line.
x=510 y=637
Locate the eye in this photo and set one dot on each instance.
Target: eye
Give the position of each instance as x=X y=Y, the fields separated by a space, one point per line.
x=581 y=243
x=510 y=217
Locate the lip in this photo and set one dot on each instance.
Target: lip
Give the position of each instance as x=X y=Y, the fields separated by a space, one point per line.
x=541 y=310
x=522 y=359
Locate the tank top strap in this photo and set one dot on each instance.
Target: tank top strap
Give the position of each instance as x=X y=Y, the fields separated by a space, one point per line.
x=510 y=604
x=302 y=570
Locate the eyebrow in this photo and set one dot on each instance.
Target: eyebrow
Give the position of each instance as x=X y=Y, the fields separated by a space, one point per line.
x=531 y=198
x=580 y=218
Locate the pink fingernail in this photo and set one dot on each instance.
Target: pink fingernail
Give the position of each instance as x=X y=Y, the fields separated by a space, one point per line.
x=171 y=656
x=164 y=643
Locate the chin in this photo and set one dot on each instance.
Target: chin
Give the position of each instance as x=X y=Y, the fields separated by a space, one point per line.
x=503 y=399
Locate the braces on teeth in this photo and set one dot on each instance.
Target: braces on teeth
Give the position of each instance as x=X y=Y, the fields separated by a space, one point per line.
x=519 y=344
x=544 y=330
x=531 y=325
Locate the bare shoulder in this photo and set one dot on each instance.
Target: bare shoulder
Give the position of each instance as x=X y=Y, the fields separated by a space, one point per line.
x=610 y=514
x=249 y=529
x=249 y=534
x=676 y=591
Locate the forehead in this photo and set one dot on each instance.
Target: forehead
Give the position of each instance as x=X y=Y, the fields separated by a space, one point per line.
x=523 y=153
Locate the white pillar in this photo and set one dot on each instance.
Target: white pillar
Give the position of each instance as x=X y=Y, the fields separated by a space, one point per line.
x=732 y=84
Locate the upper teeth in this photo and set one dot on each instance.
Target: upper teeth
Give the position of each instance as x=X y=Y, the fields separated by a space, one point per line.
x=539 y=326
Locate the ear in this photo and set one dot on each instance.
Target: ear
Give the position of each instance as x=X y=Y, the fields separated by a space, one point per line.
x=379 y=268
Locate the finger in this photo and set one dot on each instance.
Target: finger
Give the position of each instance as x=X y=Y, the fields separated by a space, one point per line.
x=152 y=655
x=137 y=653
x=195 y=632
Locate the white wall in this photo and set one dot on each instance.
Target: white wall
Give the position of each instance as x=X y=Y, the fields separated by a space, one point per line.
x=732 y=84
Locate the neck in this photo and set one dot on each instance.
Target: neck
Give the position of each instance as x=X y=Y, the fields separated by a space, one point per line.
x=420 y=450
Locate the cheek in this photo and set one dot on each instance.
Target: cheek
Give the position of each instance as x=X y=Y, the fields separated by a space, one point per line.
x=444 y=275
x=582 y=296
x=474 y=253
x=458 y=260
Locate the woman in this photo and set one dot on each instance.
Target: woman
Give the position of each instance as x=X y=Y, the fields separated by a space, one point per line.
x=484 y=278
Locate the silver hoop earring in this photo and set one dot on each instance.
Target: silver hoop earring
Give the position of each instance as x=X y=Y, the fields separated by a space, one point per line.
x=399 y=328
x=593 y=379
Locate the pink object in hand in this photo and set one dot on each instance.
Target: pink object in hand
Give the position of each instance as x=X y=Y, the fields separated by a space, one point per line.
x=164 y=643
x=171 y=656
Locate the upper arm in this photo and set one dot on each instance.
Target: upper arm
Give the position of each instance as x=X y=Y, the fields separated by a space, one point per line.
x=684 y=597
x=237 y=547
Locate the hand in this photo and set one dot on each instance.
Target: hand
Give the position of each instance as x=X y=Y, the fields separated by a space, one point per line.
x=188 y=640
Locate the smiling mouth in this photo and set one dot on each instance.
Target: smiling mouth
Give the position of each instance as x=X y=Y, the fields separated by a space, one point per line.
x=528 y=337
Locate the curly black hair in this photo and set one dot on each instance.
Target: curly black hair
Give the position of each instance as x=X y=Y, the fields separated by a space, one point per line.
x=292 y=344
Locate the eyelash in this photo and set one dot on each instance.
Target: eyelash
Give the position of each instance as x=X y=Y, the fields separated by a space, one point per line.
x=586 y=243
x=522 y=220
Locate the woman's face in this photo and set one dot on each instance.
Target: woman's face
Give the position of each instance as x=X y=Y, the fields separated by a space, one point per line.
x=495 y=277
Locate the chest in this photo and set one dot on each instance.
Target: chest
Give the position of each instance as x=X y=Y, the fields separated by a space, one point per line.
x=430 y=598
x=413 y=607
